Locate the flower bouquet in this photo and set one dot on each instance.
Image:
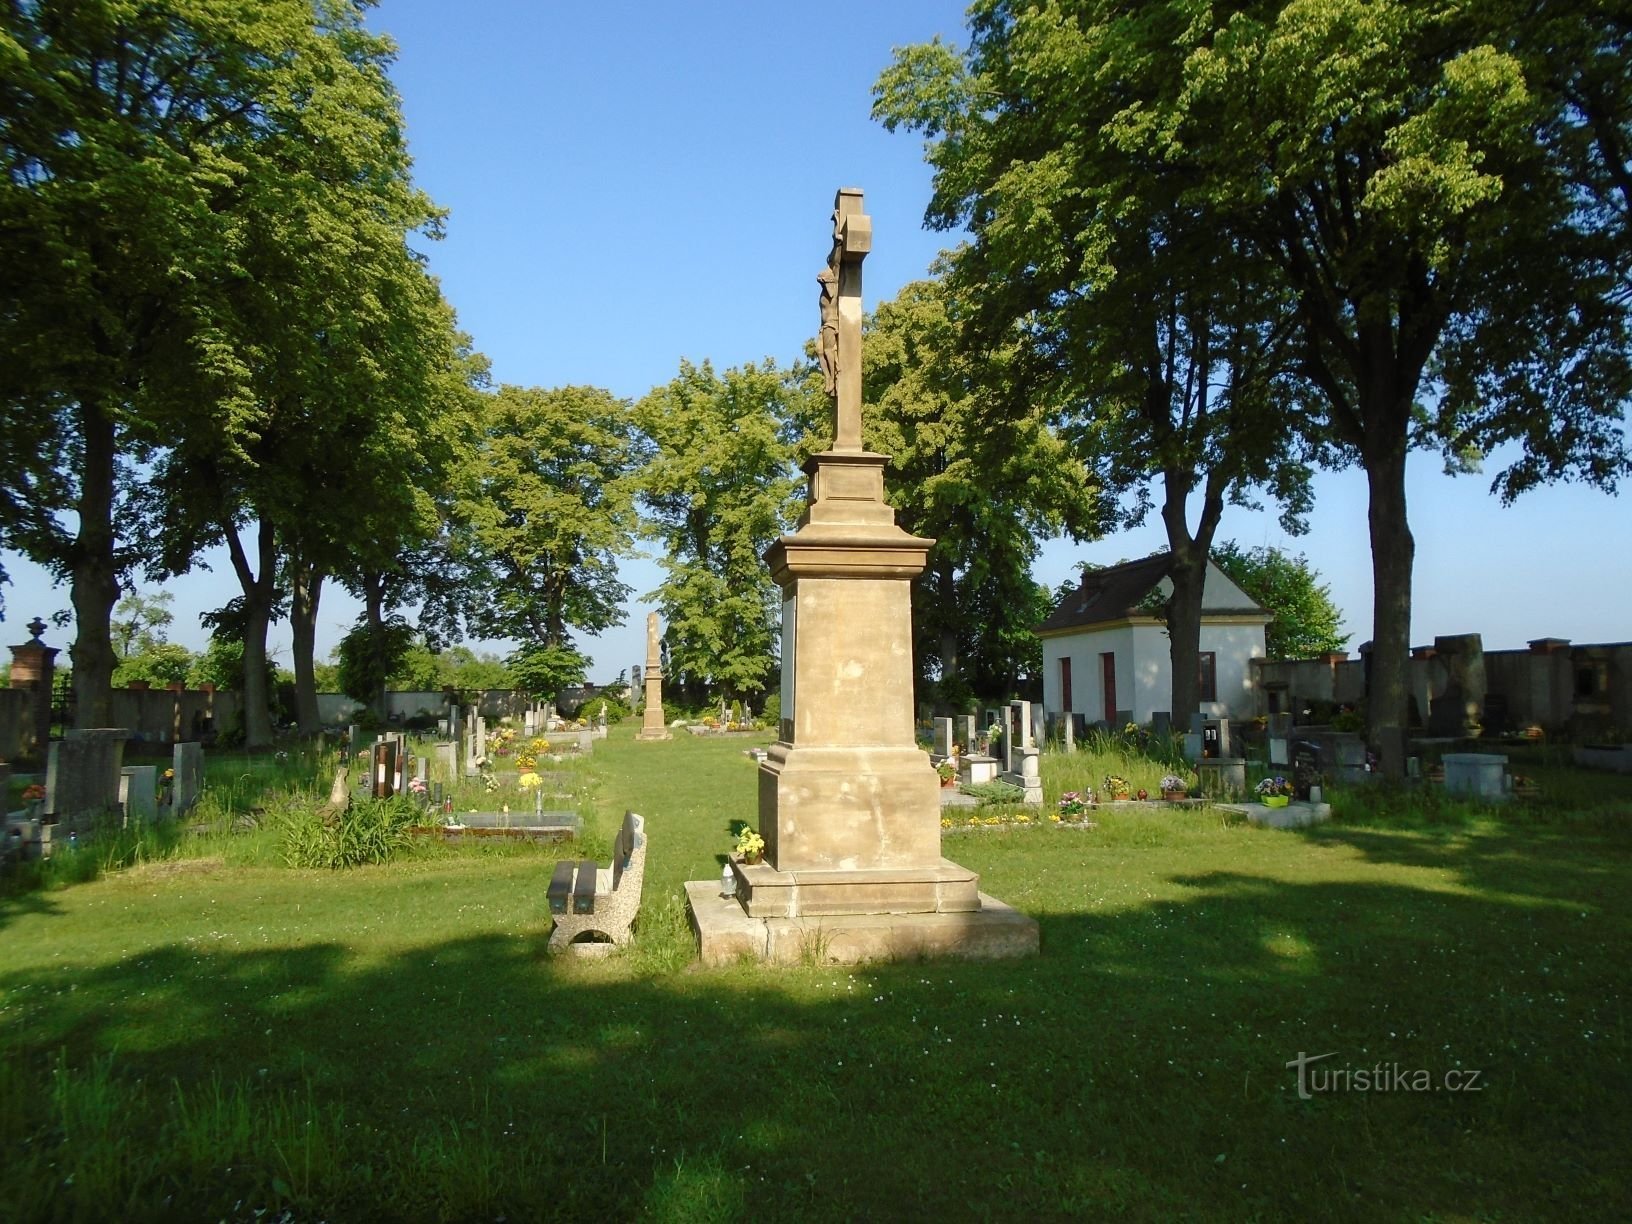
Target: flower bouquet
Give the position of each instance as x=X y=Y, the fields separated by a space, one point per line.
x=1274 y=792
x=1073 y=805
x=750 y=845
x=1117 y=787
x=1174 y=787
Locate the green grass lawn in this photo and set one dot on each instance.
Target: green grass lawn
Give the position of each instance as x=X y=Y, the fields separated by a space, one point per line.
x=207 y=1033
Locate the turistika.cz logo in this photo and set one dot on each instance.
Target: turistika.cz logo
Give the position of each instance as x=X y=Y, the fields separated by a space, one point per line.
x=1382 y=1077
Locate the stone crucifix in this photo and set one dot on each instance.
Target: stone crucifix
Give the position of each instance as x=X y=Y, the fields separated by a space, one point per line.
x=839 y=342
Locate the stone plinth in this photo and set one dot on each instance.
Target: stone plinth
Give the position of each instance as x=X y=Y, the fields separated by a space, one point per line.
x=726 y=933
x=977 y=769
x=1481 y=775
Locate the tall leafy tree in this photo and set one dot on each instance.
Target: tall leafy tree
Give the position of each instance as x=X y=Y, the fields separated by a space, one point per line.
x=166 y=163
x=543 y=509
x=1160 y=342
x=1307 y=622
x=719 y=486
x=1432 y=190
x=984 y=491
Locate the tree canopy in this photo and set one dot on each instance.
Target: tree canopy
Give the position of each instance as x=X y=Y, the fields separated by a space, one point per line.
x=1307 y=623
x=718 y=487
x=1429 y=204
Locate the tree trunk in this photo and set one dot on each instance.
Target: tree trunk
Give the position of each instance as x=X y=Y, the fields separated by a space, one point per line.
x=259 y=590
x=94 y=572
x=306 y=581
x=374 y=615
x=1392 y=552
x=946 y=592
x=1189 y=575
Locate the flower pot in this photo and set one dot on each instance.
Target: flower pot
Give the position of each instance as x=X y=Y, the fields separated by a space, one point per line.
x=948 y=783
x=1174 y=796
x=1275 y=801
x=750 y=859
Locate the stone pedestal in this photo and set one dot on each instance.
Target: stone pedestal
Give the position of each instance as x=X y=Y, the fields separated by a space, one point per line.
x=849 y=805
x=652 y=726
x=1479 y=775
x=977 y=769
x=33 y=665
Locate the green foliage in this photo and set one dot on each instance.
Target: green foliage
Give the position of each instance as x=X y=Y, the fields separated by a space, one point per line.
x=983 y=494
x=140 y=622
x=544 y=670
x=369 y=831
x=718 y=488
x=616 y=711
x=368 y=657
x=206 y=209
x=160 y=664
x=544 y=509
x=1307 y=623
x=221 y=664
x=1315 y=212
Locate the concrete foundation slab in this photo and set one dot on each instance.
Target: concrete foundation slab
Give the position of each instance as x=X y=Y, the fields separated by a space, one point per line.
x=726 y=933
x=1295 y=815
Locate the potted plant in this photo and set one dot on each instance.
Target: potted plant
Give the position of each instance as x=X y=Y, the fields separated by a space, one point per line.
x=1274 y=792
x=948 y=772
x=750 y=845
x=1174 y=788
x=34 y=796
x=1117 y=788
x=1073 y=806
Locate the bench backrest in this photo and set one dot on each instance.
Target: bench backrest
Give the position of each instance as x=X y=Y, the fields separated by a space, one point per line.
x=631 y=838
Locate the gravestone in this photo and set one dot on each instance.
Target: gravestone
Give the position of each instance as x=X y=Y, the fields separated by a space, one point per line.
x=138 y=792
x=1479 y=775
x=187 y=762
x=1161 y=724
x=1458 y=710
x=1306 y=776
x=445 y=757
x=1020 y=754
x=82 y=775
x=1280 y=739
x=383 y=769
x=849 y=806
x=966 y=731
x=1069 y=730
x=943 y=739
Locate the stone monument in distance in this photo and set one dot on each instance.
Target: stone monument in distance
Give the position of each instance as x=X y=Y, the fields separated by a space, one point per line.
x=652 y=726
x=849 y=805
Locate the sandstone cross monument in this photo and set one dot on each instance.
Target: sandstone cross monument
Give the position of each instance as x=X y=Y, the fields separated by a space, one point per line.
x=652 y=726
x=849 y=805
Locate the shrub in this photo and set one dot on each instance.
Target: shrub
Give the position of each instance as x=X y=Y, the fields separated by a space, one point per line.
x=616 y=711
x=369 y=831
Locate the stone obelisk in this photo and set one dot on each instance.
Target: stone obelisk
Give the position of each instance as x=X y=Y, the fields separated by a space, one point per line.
x=849 y=805
x=652 y=726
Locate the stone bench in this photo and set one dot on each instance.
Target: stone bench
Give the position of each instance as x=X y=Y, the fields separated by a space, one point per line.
x=600 y=901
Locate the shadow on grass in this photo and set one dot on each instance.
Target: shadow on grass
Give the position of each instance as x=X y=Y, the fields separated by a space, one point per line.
x=1136 y=1067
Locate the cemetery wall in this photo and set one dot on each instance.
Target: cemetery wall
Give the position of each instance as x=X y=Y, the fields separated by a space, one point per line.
x=1554 y=684
x=166 y=716
x=335 y=709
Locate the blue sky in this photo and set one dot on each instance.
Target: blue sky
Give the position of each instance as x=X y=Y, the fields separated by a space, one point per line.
x=630 y=184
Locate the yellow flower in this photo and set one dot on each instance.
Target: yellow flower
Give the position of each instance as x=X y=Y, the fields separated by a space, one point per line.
x=529 y=780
